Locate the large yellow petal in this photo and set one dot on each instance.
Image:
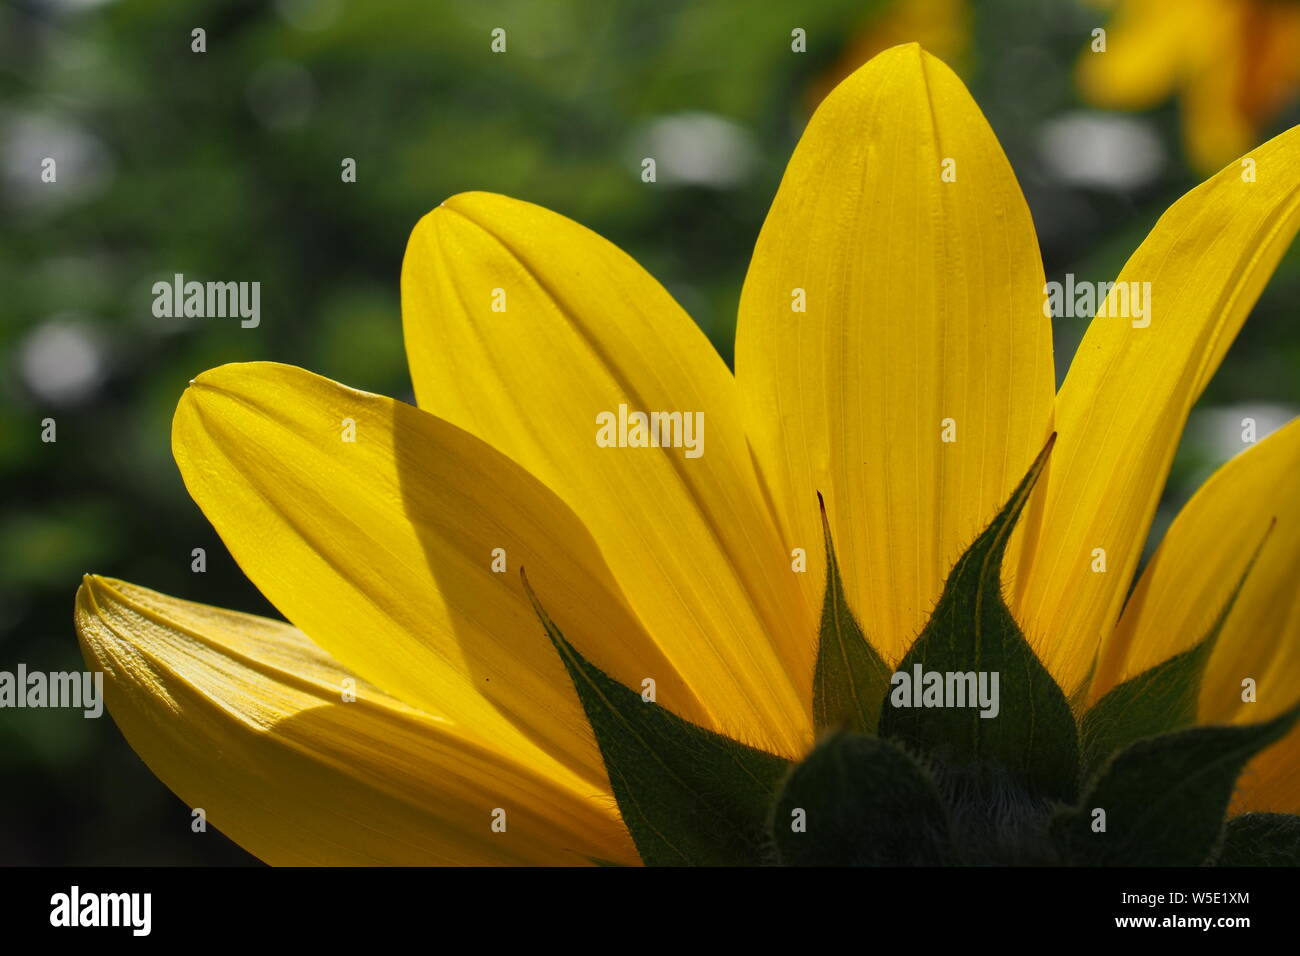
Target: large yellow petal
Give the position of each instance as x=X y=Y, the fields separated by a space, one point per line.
x=1123 y=405
x=924 y=303
x=1251 y=499
x=245 y=718
x=382 y=549
x=1192 y=575
x=584 y=330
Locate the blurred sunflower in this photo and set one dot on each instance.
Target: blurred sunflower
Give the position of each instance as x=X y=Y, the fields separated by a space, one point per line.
x=900 y=227
x=1236 y=64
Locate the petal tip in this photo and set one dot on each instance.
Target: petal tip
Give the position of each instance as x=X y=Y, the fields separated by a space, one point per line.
x=91 y=582
x=912 y=53
x=88 y=615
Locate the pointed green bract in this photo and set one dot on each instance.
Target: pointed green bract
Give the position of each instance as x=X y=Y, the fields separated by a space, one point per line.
x=859 y=801
x=1033 y=734
x=1164 y=797
x=1159 y=700
x=1261 y=839
x=688 y=796
x=850 y=679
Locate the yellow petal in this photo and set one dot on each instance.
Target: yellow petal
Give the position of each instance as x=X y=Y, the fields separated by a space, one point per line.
x=1217 y=124
x=382 y=549
x=581 y=331
x=1151 y=45
x=1271 y=48
x=244 y=718
x=1271 y=782
x=1122 y=407
x=1191 y=577
x=924 y=304
x=1188 y=583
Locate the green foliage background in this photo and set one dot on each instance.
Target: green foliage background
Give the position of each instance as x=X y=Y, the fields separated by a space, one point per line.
x=225 y=165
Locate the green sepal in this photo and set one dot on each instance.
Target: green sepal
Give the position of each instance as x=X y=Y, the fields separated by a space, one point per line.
x=689 y=796
x=865 y=802
x=1164 y=797
x=850 y=680
x=1161 y=699
x=1261 y=839
x=1033 y=735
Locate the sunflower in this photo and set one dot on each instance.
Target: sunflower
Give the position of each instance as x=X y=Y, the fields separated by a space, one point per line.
x=1236 y=64
x=514 y=644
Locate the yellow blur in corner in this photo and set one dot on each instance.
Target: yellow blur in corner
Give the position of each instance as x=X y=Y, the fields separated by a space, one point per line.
x=1235 y=64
